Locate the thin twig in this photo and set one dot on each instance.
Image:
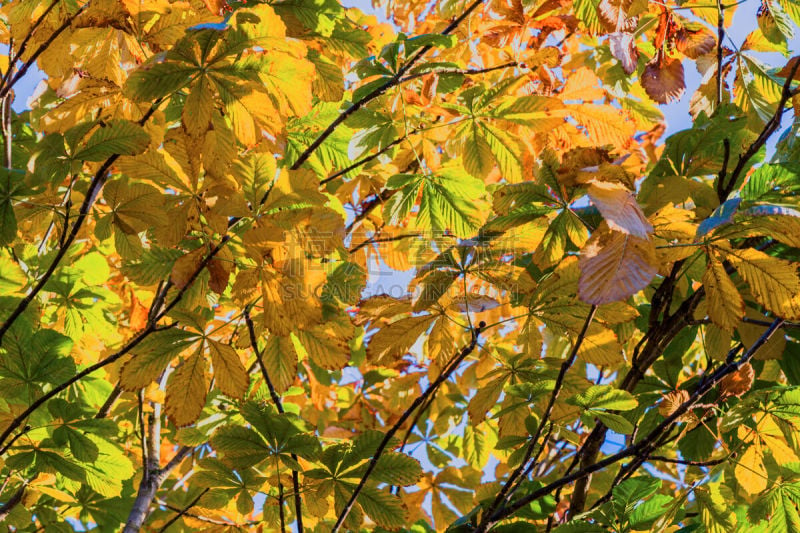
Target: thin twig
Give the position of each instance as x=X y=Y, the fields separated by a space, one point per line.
x=8 y=84
x=183 y=511
x=522 y=471
x=643 y=446
x=276 y=399
x=138 y=338
x=91 y=194
x=418 y=401
x=368 y=158
x=375 y=93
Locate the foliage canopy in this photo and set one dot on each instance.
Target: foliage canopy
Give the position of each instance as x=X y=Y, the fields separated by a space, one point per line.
x=588 y=327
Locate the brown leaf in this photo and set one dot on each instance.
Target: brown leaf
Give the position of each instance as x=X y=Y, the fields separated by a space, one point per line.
x=790 y=66
x=623 y=47
x=217 y=7
x=220 y=272
x=694 y=44
x=619 y=208
x=662 y=79
x=613 y=15
x=614 y=266
x=671 y=401
x=737 y=383
x=185 y=267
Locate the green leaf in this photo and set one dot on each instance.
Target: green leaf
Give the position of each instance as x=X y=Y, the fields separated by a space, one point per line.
x=627 y=494
x=12 y=188
x=384 y=508
x=648 y=512
x=605 y=397
x=614 y=422
x=41 y=357
x=12 y=278
x=118 y=137
x=397 y=469
x=241 y=445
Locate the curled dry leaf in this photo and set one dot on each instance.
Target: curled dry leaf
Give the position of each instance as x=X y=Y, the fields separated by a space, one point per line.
x=613 y=15
x=619 y=208
x=671 y=401
x=623 y=47
x=614 y=266
x=662 y=79
x=737 y=383
x=694 y=44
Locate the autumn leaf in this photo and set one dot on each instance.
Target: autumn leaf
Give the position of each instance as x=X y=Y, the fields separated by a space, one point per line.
x=662 y=79
x=186 y=390
x=614 y=266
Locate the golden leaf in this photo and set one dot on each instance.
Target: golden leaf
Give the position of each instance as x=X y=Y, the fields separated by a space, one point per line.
x=280 y=359
x=614 y=266
x=230 y=374
x=186 y=391
x=395 y=339
x=725 y=304
x=773 y=281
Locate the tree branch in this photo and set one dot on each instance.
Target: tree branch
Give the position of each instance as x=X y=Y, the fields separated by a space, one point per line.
x=13 y=501
x=524 y=469
x=772 y=125
x=418 y=401
x=183 y=511
x=276 y=399
x=91 y=194
x=644 y=446
x=7 y=84
x=142 y=335
x=375 y=93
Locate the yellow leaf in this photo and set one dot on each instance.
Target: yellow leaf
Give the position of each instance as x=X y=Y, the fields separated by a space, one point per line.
x=773 y=282
x=600 y=347
x=186 y=391
x=614 y=266
x=394 y=340
x=603 y=124
x=230 y=375
x=750 y=471
x=619 y=208
x=775 y=442
x=485 y=398
x=725 y=304
x=198 y=107
x=327 y=345
x=749 y=334
x=280 y=359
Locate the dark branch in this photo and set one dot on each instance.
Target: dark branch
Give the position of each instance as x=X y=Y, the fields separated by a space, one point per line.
x=7 y=84
x=393 y=81
x=276 y=399
x=91 y=194
x=418 y=401
x=645 y=445
x=524 y=469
